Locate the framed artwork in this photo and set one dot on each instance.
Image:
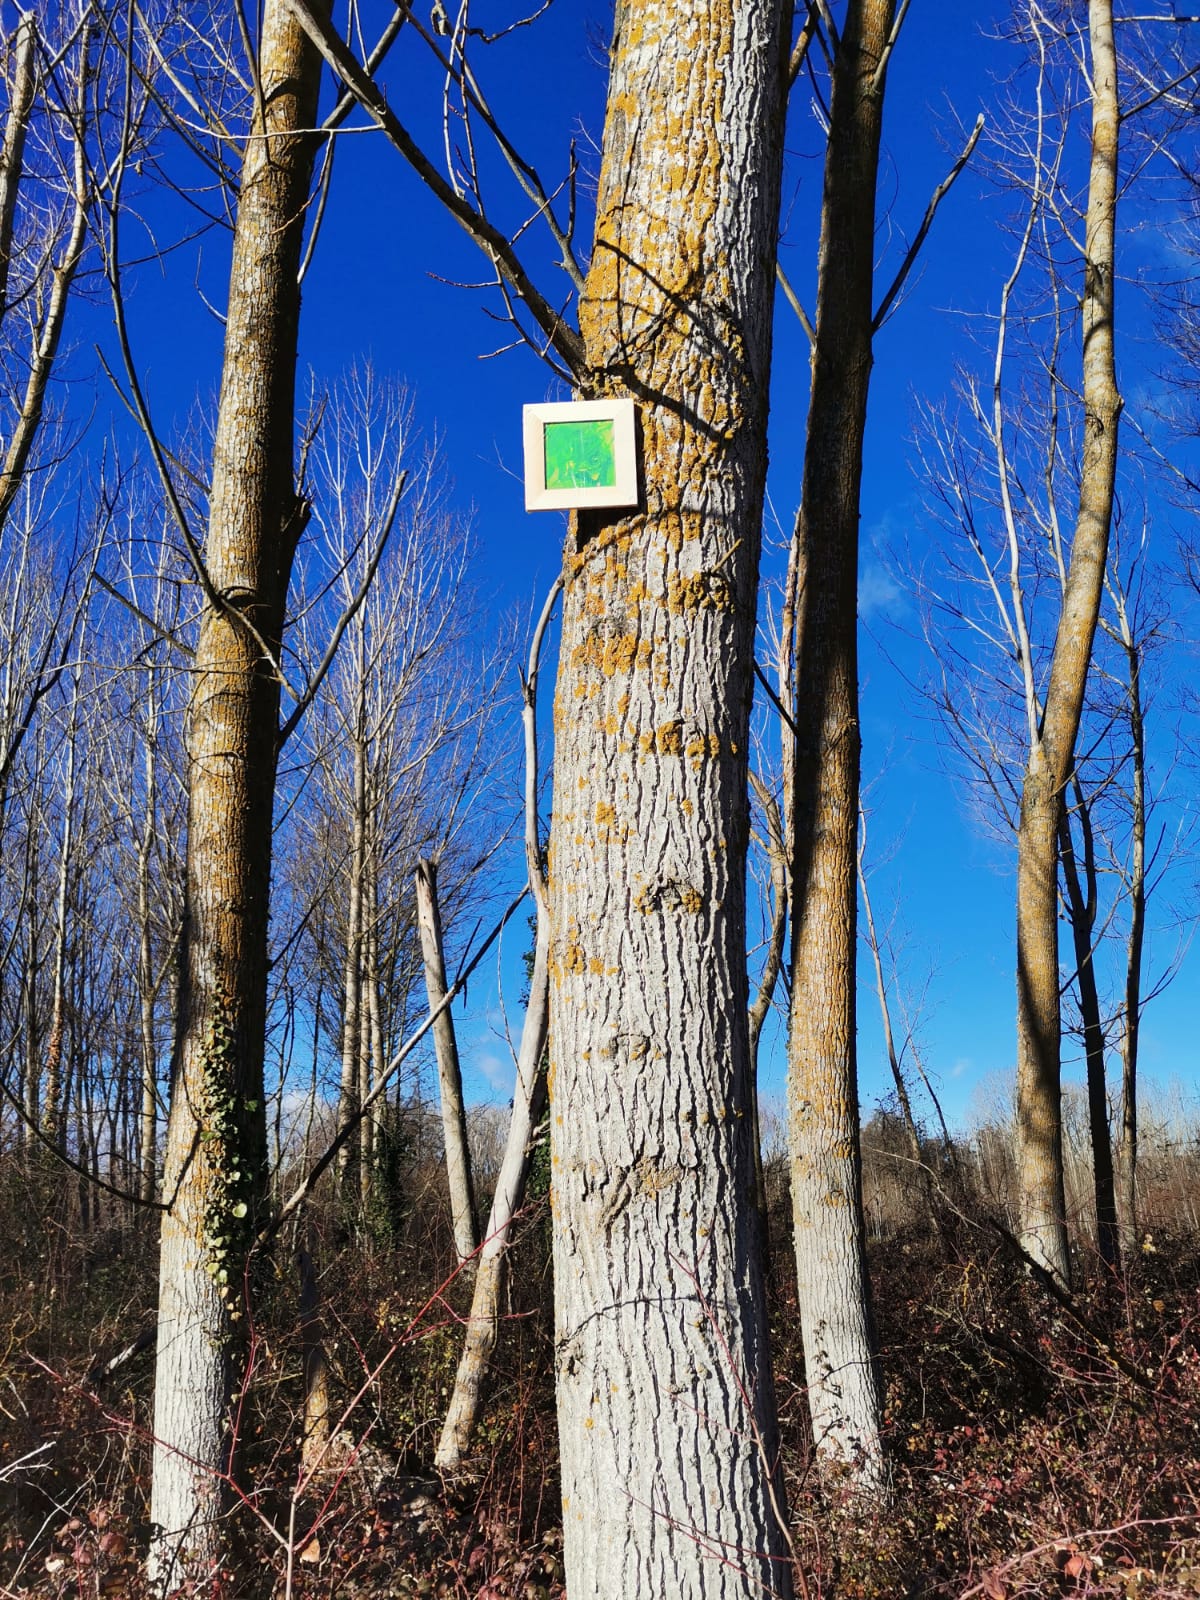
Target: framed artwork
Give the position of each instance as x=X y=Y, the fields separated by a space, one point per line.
x=580 y=453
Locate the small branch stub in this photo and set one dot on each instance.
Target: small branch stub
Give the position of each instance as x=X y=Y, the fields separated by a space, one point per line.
x=579 y=454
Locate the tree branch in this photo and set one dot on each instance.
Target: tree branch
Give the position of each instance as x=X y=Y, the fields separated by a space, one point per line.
x=564 y=339
x=347 y=616
x=529 y=682
x=794 y=302
x=302 y=1191
x=914 y=249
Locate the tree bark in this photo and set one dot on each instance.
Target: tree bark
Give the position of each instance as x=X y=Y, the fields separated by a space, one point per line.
x=834 y=1293
x=778 y=862
x=317 y=1402
x=216 y=1130
x=350 y=1096
x=47 y=334
x=1134 y=947
x=31 y=1062
x=148 y=1119
x=53 y=1122
x=372 y=1000
x=1052 y=755
x=484 y=1321
x=1081 y=912
x=12 y=153
x=454 y=1115
x=665 y=1403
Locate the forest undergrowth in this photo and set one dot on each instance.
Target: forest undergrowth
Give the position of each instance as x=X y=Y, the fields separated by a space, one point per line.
x=1039 y=1447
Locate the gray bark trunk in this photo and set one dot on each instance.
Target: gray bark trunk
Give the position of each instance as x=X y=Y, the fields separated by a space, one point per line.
x=216 y=1131
x=483 y=1324
x=665 y=1403
x=823 y=1123
x=372 y=999
x=31 y=1060
x=53 y=1125
x=777 y=858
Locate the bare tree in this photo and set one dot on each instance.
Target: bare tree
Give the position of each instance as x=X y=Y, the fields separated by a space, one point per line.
x=1050 y=434
x=1053 y=726
x=454 y=1117
x=663 y=1366
x=652 y=726
x=42 y=243
x=399 y=742
x=529 y=1095
x=833 y=1288
x=215 y=1154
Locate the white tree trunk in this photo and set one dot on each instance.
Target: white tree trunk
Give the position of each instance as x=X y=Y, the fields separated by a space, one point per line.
x=483 y=1324
x=454 y=1116
x=665 y=1403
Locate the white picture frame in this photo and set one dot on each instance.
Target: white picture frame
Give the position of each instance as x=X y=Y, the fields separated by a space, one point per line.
x=580 y=454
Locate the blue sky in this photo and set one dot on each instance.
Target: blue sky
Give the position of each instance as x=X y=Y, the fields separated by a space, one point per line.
x=377 y=292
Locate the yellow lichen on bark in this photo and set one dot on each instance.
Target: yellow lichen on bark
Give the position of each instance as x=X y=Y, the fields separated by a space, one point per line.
x=648 y=1020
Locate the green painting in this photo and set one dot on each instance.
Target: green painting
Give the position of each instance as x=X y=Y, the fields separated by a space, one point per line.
x=580 y=455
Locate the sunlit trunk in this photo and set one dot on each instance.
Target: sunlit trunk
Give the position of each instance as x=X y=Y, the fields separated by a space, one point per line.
x=216 y=1135
x=1039 y=1093
x=665 y=1403
x=823 y=1124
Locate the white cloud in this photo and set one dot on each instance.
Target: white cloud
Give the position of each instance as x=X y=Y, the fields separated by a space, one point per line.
x=878 y=591
x=498 y=1072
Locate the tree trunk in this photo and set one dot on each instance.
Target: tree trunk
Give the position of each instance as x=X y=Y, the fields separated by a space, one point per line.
x=1051 y=758
x=148 y=1119
x=317 y=1404
x=454 y=1116
x=483 y=1324
x=1040 y=1174
x=834 y=1294
x=47 y=334
x=216 y=1130
x=777 y=860
x=53 y=1123
x=374 y=1009
x=32 y=1066
x=349 y=1099
x=1127 y=1143
x=665 y=1402
x=12 y=153
x=1081 y=912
